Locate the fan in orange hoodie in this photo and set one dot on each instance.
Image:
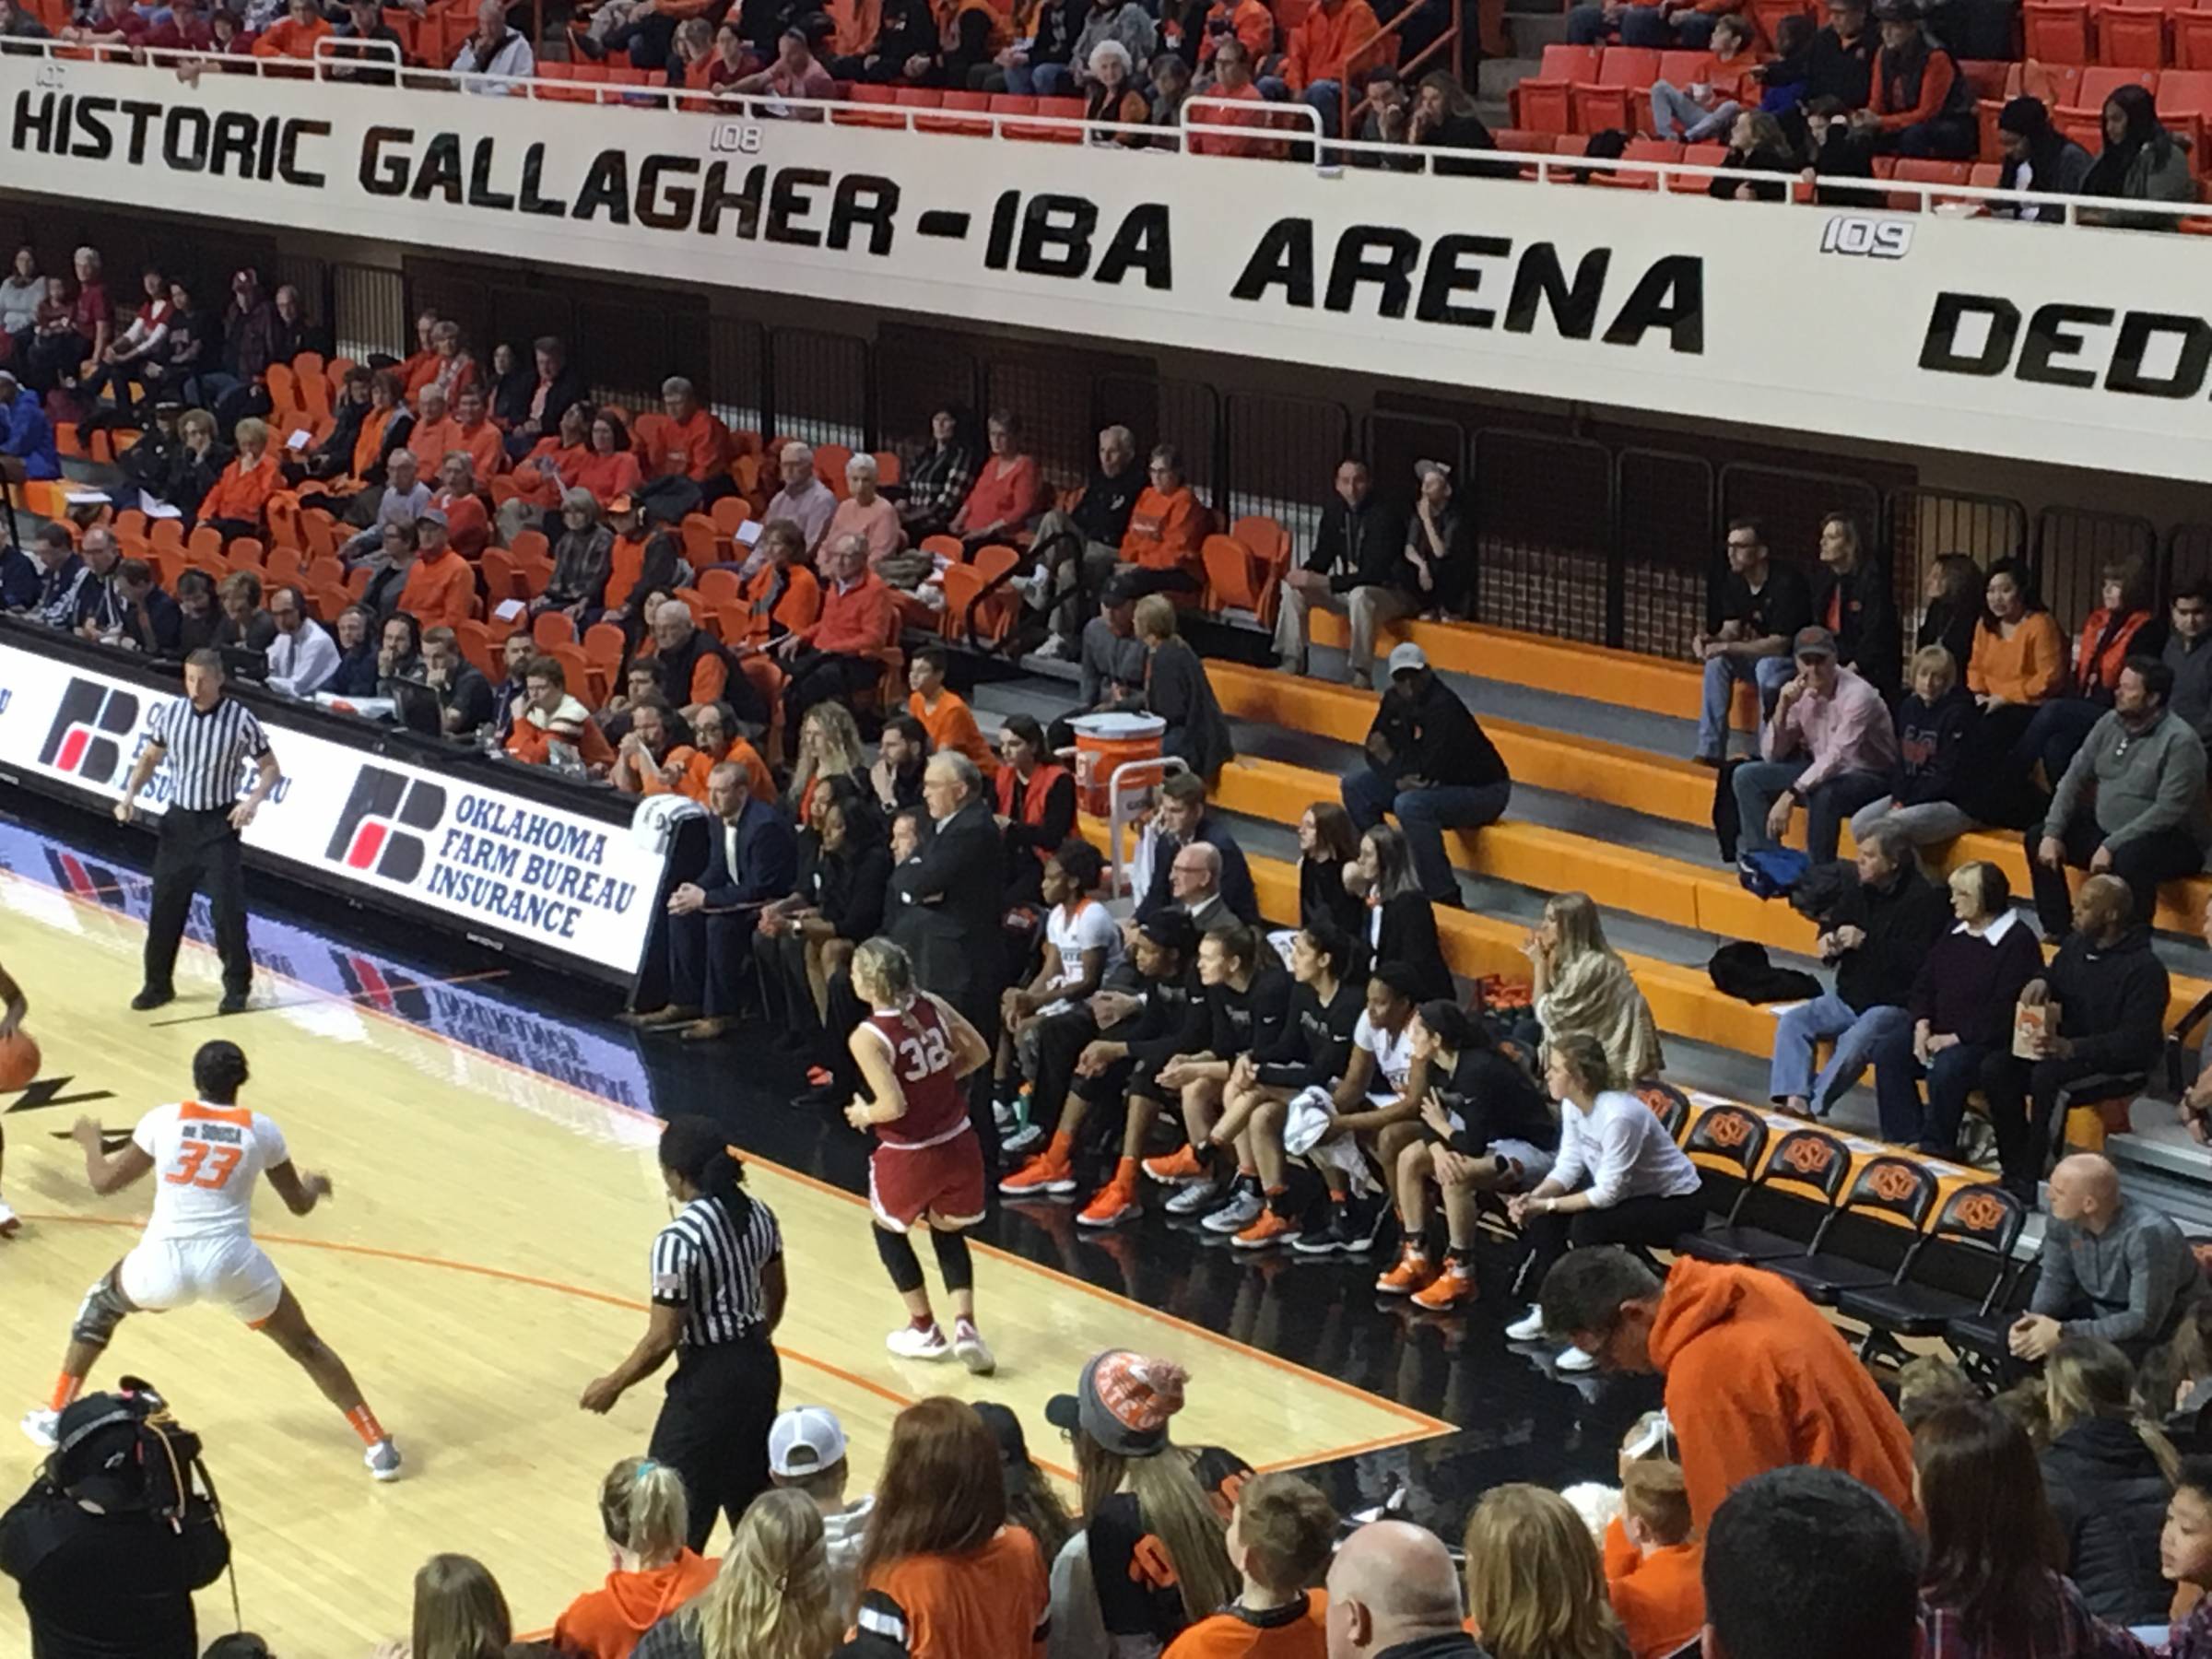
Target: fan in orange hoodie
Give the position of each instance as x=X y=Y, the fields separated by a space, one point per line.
x=642 y=1508
x=1757 y=1378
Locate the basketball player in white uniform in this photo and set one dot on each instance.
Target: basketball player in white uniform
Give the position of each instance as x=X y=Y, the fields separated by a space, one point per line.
x=206 y=1156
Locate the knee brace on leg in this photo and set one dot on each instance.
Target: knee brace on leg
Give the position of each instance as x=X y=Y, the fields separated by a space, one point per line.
x=898 y=1253
x=953 y=1261
x=102 y=1311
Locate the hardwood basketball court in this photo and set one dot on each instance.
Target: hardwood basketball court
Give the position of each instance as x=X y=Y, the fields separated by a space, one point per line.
x=482 y=1260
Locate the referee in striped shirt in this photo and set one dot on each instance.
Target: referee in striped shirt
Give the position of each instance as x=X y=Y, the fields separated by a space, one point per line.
x=206 y=738
x=718 y=1293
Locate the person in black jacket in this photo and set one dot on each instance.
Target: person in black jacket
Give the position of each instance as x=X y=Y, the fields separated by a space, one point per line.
x=1431 y=765
x=1936 y=726
x=1078 y=549
x=1851 y=599
x=1181 y=820
x=101 y=1571
x=2110 y=1475
x=1327 y=845
x=951 y=922
x=150 y=622
x=1951 y=606
x=2111 y=993
x=1839 y=63
x=1876 y=933
x=1058 y=23
x=844 y=874
x=1400 y=925
x=1357 y=568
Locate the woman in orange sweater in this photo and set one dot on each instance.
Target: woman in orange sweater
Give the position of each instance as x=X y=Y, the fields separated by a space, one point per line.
x=2123 y=624
x=653 y=1572
x=241 y=497
x=2019 y=658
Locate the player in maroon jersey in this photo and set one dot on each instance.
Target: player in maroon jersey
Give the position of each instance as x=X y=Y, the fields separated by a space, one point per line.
x=913 y=1051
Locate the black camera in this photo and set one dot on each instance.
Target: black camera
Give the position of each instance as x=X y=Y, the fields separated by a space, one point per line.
x=126 y=1451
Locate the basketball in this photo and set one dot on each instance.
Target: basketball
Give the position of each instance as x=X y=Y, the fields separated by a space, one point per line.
x=18 y=1061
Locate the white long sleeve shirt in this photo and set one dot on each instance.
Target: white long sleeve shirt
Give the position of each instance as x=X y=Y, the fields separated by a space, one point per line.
x=302 y=663
x=1622 y=1150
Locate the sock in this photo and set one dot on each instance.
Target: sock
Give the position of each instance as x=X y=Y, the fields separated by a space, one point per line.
x=1061 y=1148
x=1336 y=1197
x=964 y=1325
x=923 y=1323
x=1247 y=1171
x=65 y=1389
x=365 y=1424
x=1124 y=1174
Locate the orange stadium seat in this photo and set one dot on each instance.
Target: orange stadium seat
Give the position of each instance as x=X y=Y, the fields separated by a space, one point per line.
x=2185 y=101
x=2132 y=36
x=1544 y=103
x=1605 y=104
x=2056 y=31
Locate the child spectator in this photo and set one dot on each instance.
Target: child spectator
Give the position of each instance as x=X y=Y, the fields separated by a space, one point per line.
x=1279 y=1539
x=1536 y=1586
x=1925 y=1385
x=459 y=1612
x=806 y=1454
x=1653 y=1568
x=2185 y=1555
x=644 y=1515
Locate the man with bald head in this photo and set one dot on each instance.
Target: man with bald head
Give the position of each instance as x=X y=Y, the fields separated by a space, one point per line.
x=2111 y=1267
x=2110 y=993
x=1392 y=1591
x=695 y=669
x=1194 y=877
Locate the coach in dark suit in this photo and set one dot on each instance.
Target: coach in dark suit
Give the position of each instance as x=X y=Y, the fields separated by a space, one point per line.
x=705 y=935
x=952 y=924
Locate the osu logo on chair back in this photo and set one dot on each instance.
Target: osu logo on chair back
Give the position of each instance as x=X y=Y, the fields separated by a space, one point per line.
x=86 y=739
x=371 y=830
x=1976 y=1211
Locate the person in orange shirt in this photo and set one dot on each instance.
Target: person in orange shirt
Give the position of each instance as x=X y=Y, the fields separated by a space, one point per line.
x=436 y=433
x=653 y=1570
x=293 y=36
x=441 y=587
x=691 y=444
x=1338 y=40
x=716 y=740
x=1756 y=1375
x=642 y=563
x=839 y=653
x=1248 y=22
x=1233 y=67
x=544 y=474
x=423 y=362
x=1280 y=1536
x=944 y=715
x=474 y=435
x=1653 y=1567
x=784 y=593
x=548 y=714
x=467 y=524
x=1166 y=527
x=241 y=497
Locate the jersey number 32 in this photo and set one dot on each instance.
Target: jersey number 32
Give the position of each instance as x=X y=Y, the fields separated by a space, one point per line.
x=203 y=1165
x=924 y=1055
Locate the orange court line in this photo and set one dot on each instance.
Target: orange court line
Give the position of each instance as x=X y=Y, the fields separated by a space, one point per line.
x=1428 y=1426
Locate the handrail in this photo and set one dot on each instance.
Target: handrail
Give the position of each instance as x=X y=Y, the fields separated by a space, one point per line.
x=1367 y=99
x=929 y=122
x=1394 y=27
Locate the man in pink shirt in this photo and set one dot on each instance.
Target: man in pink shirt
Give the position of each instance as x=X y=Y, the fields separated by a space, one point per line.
x=1830 y=748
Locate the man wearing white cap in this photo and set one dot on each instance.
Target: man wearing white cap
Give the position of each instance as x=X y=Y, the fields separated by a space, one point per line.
x=806 y=1452
x=1432 y=766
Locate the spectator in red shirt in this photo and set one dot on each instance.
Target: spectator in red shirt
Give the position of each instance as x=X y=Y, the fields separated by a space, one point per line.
x=1166 y=527
x=188 y=29
x=1233 y=63
x=1004 y=501
x=112 y=23
x=451 y=368
x=435 y=434
x=56 y=358
x=469 y=524
x=549 y=714
x=839 y=654
x=795 y=74
x=441 y=587
x=610 y=471
x=295 y=35
x=1336 y=40
x=692 y=443
x=474 y=435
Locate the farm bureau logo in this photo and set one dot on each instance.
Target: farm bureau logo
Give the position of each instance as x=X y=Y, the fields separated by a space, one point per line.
x=85 y=740
x=369 y=835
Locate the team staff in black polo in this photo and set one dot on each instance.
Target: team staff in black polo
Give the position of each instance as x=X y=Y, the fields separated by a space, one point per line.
x=718 y=1292
x=206 y=738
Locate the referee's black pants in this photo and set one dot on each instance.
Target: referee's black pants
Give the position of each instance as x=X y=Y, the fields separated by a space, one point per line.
x=196 y=850
x=713 y=1429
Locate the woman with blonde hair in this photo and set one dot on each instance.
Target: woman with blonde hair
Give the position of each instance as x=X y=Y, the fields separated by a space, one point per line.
x=1177 y=690
x=645 y=1518
x=1536 y=1584
x=1937 y=721
x=944 y=1575
x=2109 y=1472
x=772 y=1598
x=240 y=501
x=829 y=748
x=1583 y=985
x=459 y=1612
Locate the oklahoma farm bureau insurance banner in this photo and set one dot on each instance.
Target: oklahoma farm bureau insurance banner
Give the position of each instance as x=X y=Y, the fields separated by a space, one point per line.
x=2090 y=346
x=507 y=866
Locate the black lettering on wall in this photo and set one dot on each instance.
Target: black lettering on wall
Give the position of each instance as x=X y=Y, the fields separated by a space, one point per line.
x=1538 y=279
x=94 y=140
x=384 y=175
x=232 y=152
x=863 y=202
x=184 y=139
x=1141 y=244
x=2137 y=330
x=480 y=192
x=607 y=187
x=2052 y=335
x=1939 y=347
x=1284 y=259
x=787 y=207
x=1381 y=254
x=289 y=167
x=533 y=172
x=439 y=171
x=141 y=115
x=714 y=199
x=1055 y=236
x=1451 y=274
x=670 y=207
x=33 y=127
x=1671 y=296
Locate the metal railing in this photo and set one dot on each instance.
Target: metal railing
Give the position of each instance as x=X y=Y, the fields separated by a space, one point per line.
x=1879 y=195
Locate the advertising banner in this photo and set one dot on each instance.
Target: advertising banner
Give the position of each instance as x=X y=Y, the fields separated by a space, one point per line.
x=1935 y=330
x=502 y=866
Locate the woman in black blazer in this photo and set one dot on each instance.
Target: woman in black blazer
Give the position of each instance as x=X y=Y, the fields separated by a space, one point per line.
x=1401 y=924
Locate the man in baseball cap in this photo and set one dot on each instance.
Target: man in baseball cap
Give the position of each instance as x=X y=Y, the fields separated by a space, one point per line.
x=806 y=1452
x=1829 y=746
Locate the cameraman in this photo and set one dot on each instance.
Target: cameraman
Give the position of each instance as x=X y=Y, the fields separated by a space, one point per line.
x=106 y=1550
